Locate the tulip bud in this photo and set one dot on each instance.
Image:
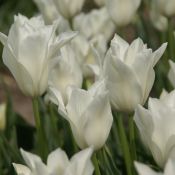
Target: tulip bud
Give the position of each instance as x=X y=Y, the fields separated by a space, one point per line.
x=69 y=8
x=145 y=170
x=2 y=116
x=27 y=51
x=156 y=126
x=57 y=163
x=65 y=71
x=129 y=71
x=122 y=11
x=89 y=115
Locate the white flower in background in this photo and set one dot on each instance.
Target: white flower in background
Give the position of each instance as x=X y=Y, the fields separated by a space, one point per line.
x=2 y=116
x=69 y=8
x=94 y=23
x=122 y=11
x=83 y=51
x=57 y=164
x=65 y=71
x=171 y=74
x=48 y=10
x=129 y=71
x=100 y=2
x=156 y=126
x=159 y=21
x=88 y=113
x=27 y=51
x=166 y=7
x=146 y=170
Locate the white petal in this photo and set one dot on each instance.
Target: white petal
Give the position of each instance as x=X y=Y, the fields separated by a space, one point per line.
x=170 y=167
x=57 y=161
x=144 y=169
x=171 y=74
x=98 y=121
x=21 y=169
x=3 y=38
x=80 y=163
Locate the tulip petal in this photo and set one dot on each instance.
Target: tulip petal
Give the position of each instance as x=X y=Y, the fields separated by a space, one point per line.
x=81 y=163
x=57 y=161
x=144 y=169
x=169 y=168
x=125 y=90
x=3 y=38
x=97 y=121
x=171 y=73
x=21 y=169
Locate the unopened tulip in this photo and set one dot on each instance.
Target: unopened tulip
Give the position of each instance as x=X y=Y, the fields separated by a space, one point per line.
x=171 y=74
x=2 y=116
x=122 y=11
x=129 y=71
x=88 y=113
x=96 y=22
x=159 y=21
x=57 y=164
x=156 y=126
x=100 y=2
x=166 y=7
x=27 y=51
x=65 y=71
x=69 y=8
x=146 y=170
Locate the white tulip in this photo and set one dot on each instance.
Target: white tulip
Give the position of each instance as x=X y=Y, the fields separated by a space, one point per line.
x=171 y=74
x=84 y=52
x=146 y=170
x=27 y=51
x=122 y=11
x=159 y=21
x=2 y=116
x=65 y=71
x=48 y=10
x=129 y=71
x=94 y=23
x=167 y=7
x=69 y=8
x=156 y=126
x=57 y=164
x=100 y=2
x=88 y=113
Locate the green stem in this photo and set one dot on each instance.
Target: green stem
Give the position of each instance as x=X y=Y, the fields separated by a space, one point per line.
x=96 y=164
x=41 y=137
x=170 y=39
x=132 y=138
x=124 y=146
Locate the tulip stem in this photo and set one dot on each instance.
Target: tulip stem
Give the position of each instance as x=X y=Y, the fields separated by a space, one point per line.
x=124 y=145
x=96 y=164
x=132 y=138
x=170 y=39
x=41 y=137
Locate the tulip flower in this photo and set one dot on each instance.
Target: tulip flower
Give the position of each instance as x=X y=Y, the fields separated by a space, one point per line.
x=88 y=113
x=145 y=170
x=156 y=126
x=84 y=53
x=65 y=71
x=48 y=10
x=2 y=116
x=167 y=7
x=100 y=2
x=94 y=23
x=57 y=164
x=69 y=8
x=159 y=21
x=129 y=71
x=122 y=11
x=27 y=51
x=171 y=74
